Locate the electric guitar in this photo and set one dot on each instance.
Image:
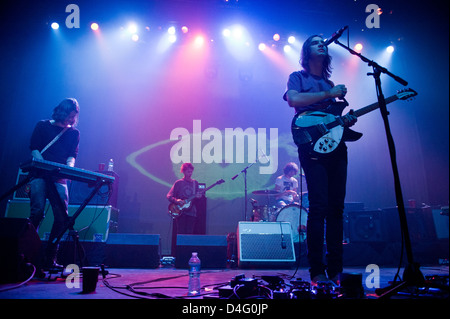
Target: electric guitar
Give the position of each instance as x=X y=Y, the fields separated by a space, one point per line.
x=323 y=131
x=176 y=210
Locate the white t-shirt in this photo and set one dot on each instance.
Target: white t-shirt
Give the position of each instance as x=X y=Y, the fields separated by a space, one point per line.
x=285 y=183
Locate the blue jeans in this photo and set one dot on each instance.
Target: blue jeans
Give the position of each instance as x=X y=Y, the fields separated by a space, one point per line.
x=326 y=178
x=39 y=192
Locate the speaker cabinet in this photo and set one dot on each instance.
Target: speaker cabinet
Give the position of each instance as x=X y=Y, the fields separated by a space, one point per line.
x=19 y=245
x=132 y=251
x=93 y=224
x=211 y=249
x=24 y=191
x=106 y=196
x=366 y=226
x=265 y=244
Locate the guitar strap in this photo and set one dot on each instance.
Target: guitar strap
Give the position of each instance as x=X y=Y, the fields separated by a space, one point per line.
x=55 y=139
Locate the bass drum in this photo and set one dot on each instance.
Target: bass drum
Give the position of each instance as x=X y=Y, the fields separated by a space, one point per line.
x=291 y=213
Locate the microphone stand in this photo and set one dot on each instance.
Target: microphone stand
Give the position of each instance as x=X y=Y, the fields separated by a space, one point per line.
x=245 y=186
x=412 y=276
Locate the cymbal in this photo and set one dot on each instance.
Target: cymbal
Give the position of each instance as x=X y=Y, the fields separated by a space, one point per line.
x=266 y=192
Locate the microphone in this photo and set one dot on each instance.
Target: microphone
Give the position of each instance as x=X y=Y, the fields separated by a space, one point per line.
x=335 y=36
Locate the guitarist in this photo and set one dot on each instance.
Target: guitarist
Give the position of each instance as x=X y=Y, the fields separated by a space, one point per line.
x=181 y=190
x=311 y=90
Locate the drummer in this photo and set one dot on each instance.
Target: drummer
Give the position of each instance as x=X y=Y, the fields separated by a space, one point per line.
x=287 y=186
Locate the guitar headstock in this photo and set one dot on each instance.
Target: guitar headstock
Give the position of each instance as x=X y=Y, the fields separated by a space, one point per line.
x=406 y=94
x=221 y=181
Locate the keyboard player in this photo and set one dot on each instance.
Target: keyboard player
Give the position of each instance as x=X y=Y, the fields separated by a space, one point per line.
x=55 y=140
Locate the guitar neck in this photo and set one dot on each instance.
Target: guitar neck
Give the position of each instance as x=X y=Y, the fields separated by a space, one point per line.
x=374 y=106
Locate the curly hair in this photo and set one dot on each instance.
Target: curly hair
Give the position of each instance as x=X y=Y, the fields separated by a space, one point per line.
x=306 y=54
x=62 y=111
x=291 y=166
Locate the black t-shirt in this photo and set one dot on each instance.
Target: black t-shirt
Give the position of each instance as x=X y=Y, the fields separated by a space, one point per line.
x=66 y=146
x=183 y=189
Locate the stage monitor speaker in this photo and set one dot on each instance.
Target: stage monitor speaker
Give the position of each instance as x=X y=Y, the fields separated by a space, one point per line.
x=107 y=194
x=211 y=249
x=19 y=246
x=365 y=226
x=132 y=251
x=265 y=244
x=93 y=224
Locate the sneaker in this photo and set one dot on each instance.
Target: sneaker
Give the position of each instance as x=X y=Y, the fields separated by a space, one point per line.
x=319 y=278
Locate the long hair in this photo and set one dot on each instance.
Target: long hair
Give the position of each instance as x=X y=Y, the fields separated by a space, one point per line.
x=64 y=108
x=306 y=55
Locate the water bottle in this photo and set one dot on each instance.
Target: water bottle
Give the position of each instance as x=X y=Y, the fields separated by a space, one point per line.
x=194 y=275
x=111 y=165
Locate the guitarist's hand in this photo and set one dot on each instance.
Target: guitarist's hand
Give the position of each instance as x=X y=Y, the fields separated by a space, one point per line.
x=338 y=91
x=349 y=119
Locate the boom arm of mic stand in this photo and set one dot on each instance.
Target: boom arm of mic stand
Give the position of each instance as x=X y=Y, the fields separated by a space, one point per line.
x=373 y=63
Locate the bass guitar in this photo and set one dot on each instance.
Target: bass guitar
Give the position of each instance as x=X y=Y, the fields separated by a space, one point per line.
x=176 y=210
x=323 y=131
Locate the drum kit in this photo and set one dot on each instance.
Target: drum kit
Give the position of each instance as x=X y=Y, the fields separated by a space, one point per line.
x=295 y=213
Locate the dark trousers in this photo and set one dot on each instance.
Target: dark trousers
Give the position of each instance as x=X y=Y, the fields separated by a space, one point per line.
x=40 y=190
x=326 y=177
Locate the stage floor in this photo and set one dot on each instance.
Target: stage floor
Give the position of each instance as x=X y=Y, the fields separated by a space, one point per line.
x=168 y=282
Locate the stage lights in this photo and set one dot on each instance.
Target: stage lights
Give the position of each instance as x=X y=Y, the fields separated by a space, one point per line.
x=94 y=26
x=291 y=39
x=276 y=37
x=199 y=40
x=55 y=26
x=171 y=30
x=390 y=49
x=358 y=47
x=184 y=29
x=262 y=46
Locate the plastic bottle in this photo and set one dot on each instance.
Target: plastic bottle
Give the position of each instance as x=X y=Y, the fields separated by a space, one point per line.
x=111 y=165
x=194 y=275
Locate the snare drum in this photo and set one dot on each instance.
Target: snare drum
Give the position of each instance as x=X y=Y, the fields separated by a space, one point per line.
x=291 y=213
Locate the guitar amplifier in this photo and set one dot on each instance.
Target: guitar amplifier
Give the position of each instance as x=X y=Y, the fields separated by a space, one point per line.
x=93 y=224
x=265 y=244
x=23 y=193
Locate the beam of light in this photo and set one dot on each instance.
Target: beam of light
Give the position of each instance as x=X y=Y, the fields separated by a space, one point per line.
x=238 y=42
x=279 y=59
